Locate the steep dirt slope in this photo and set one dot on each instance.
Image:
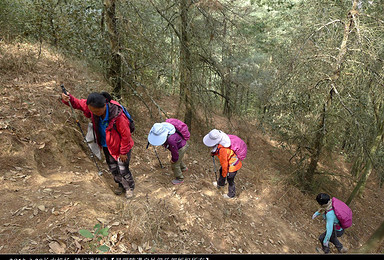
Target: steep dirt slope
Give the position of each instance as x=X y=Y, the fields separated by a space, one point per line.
x=50 y=188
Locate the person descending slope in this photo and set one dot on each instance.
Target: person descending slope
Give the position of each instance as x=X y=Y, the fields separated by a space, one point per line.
x=338 y=216
x=173 y=135
x=230 y=161
x=112 y=129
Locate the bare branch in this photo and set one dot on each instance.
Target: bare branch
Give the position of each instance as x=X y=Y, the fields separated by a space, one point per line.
x=324 y=26
x=167 y=19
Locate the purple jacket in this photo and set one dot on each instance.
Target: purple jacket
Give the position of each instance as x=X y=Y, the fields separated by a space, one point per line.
x=174 y=143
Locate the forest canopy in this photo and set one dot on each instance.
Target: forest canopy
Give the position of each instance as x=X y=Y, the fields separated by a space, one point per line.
x=310 y=72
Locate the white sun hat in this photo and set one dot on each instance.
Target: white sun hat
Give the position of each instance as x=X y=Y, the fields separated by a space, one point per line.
x=216 y=137
x=159 y=133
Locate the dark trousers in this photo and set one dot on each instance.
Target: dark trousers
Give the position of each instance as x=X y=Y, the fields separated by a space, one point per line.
x=120 y=170
x=231 y=182
x=333 y=239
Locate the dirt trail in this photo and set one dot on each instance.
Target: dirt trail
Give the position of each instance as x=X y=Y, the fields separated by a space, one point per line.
x=50 y=188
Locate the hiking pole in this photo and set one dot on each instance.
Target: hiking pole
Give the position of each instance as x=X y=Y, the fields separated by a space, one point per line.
x=214 y=167
x=158 y=158
x=81 y=130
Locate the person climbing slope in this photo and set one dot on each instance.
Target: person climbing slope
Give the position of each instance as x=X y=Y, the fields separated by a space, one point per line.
x=112 y=129
x=220 y=143
x=173 y=135
x=333 y=224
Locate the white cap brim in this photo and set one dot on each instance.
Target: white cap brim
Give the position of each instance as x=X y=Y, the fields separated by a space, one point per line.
x=209 y=142
x=215 y=137
x=159 y=133
x=157 y=139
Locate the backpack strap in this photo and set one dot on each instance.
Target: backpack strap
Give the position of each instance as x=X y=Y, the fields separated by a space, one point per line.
x=129 y=117
x=178 y=132
x=234 y=155
x=237 y=160
x=337 y=227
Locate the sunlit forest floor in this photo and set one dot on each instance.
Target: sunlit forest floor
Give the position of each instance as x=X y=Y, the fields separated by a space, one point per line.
x=50 y=188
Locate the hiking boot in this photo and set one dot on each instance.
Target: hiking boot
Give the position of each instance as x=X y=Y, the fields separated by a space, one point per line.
x=319 y=250
x=177 y=182
x=227 y=197
x=119 y=190
x=129 y=194
x=216 y=185
x=343 y=250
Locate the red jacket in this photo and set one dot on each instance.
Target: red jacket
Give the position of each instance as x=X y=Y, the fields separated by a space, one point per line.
x=118 y=136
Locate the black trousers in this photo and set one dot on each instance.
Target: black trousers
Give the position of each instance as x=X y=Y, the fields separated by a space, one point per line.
x=231 y=182
x=120 y=170
x=333 y=239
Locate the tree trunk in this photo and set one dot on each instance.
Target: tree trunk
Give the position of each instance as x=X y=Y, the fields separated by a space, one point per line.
x=185 y=64
x=226 y=85
x=319 y=142
x=173 y=65
x=360 y=185
x=320 y=136
x=114 y=71
x=51 y=17
x=368 y=166
x=374 y=242
x=226 y=75
x=378 y=109
x=358 y=164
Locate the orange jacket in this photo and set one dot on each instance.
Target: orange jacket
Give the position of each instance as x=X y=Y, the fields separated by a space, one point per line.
x=228 y=160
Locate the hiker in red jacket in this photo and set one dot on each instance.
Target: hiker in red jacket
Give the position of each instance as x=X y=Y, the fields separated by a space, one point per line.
x=112 y=130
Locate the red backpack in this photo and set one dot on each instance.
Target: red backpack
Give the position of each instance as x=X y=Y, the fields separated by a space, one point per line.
x=181 y=128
